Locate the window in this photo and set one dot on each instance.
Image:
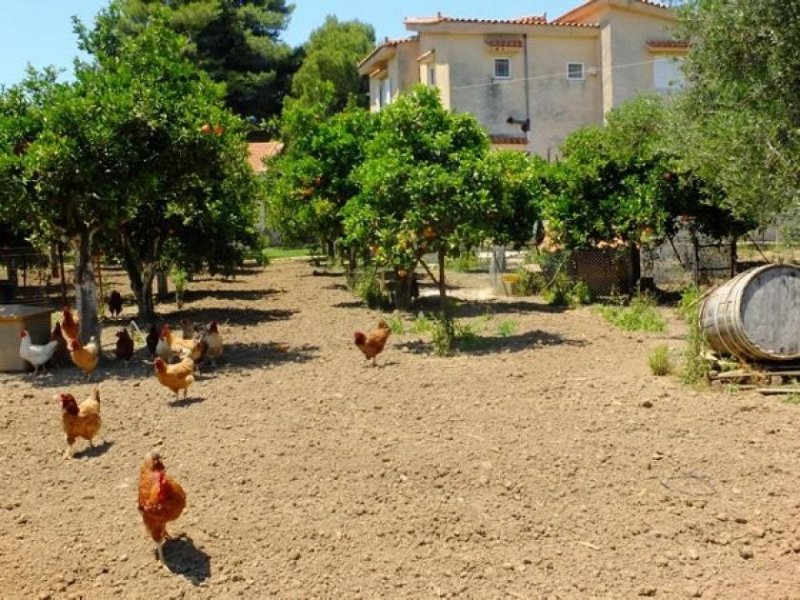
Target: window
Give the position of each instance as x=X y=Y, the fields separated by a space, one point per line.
x=502 y=68
x=431 y=75
x=575 y=71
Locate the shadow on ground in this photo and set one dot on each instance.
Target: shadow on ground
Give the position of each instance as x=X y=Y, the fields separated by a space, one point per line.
x=185 y=559
x=478 y=345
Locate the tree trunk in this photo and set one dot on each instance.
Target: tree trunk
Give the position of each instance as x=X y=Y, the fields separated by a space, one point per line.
x=85 y=289
x=162 y=285
x=442 y=284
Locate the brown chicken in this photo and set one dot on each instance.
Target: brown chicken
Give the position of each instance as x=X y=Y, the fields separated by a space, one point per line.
x=372 y=343
x=85 y=357
x=61 y=355
x=161 y=500
x=80 y=420
x=175 y=377
x=125 y=347
x=115 y=303
x=69 y=326
x=214 y=340
x=169 y=345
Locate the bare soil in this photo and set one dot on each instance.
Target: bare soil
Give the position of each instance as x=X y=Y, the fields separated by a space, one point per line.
x=548 y=463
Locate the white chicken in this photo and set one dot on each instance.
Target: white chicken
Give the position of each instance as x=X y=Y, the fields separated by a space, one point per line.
x=35 y=354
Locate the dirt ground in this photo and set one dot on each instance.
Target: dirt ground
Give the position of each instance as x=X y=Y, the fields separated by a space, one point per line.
x=546 y=464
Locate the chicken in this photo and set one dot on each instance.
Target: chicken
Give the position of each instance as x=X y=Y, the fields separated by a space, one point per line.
x=214 y=340
x=35 y=354
x=124 y=348
x=161 y=500
x=61 y=355
x=190 y=329
x=169 y=346
x=85 y=357
x=372 y=343
x=115 y=303
x=69 y=326
x=152 y=340
x=175 y=377
x=80 y=420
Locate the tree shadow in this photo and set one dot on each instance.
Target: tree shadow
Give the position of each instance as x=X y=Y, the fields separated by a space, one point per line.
x=350 y=304
x=467 y=308
x=190 y=296
x=185 y=559
x=260 y=355
x=318 y=273
x=480 y=345
x=184 y=402
x=94 y=451
x=336 y=286
x=228 y=315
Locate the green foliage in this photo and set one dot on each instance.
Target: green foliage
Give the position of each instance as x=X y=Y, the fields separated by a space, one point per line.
x=659 y=361
x=580 y=294
x=464 y=262
x=443 y=335
x=738 y=124
x=328 y=73
x=311 y=181
x=506 y=328
x=179 y=279
x=236 y=43
x=121 y=161
x=528 y=282
x=689 y=303
x=621 y=183
x=368 y=288
x=695 y=366
x=397 y=325
x=640 y=315
x=422 y=324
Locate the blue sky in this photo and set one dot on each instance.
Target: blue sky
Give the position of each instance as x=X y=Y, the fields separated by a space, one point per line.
x=39 y=32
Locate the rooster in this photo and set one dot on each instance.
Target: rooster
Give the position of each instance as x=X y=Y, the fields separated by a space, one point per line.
x=85 y=357
x=125 y=347
x=35 y=354
x=169 y=346
x=69 y=326
x=80 y=420
x=175 y=377
x=115 y=303
x=372 y=343
x=161 y=500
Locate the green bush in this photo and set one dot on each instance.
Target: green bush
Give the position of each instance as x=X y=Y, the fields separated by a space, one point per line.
x=689 y=303
x=422 y=324
x=695 y=366
x=397 y=325
x=640 y=315
x=368 y=288
x=580 y=294
x=659 y=361
x=465 y=262
x=506 y=328
x=443 y=334
x=528 y=283
x=179 y=279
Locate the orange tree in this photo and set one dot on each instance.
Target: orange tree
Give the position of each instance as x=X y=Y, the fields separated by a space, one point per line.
x=429 y=185
x=137 y=157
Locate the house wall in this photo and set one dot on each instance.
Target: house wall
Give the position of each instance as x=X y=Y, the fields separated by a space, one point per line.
x=559 y=105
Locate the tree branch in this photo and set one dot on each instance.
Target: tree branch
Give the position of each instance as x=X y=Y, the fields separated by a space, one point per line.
x=425 y=266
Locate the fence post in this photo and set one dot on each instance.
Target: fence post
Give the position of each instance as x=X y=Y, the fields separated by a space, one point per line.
x=497 y=265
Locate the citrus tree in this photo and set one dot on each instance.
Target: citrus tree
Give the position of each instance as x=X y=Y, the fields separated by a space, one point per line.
x=138 y=156
x=426 y=186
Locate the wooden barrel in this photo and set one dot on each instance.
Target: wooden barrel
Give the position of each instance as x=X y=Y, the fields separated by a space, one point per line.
x=756 y=315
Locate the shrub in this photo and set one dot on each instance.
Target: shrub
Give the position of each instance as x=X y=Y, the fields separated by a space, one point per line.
x=695 y=366
x=689 y=302
x=397 y=325
x=368 y=288
x=443 y=334
x=179 y=278
x=640 y=315
x=659 y=361
x=580 y=294
x=422 y=324
x=528 y=283
x=466 y=261
x=506 y=328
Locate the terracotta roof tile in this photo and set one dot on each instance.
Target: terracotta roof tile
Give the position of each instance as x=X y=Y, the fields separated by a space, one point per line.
x=500 y=138
x=560 y=20
x=440 y=18
x=668 y=43
x=258 y=151
x=387 y=43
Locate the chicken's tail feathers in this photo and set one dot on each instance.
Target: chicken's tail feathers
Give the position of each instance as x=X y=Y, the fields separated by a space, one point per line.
x=96 y=394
